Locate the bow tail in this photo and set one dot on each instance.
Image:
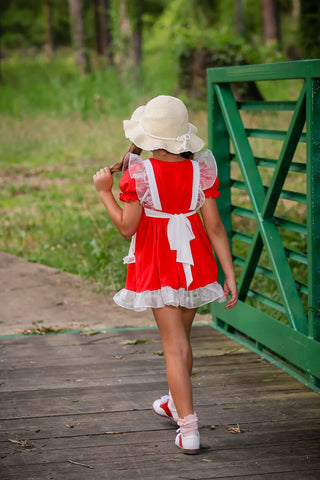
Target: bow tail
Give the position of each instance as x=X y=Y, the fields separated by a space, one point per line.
x=187 y=273
x=131 y=258
x=180 y=235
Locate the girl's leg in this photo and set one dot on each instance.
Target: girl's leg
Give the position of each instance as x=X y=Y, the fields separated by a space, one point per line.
x=188 y=315
x=174 y=325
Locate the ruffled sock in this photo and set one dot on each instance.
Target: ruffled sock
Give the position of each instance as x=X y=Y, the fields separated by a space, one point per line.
x=188 y=425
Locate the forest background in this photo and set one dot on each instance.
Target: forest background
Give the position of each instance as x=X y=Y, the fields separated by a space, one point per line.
x=70 y=71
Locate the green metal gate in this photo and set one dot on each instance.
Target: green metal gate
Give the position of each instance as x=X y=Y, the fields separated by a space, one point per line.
x=270 y=205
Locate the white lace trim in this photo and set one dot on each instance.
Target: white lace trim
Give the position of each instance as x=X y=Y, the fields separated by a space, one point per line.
x=208 y=173
x=140 y=301
x=137 y=170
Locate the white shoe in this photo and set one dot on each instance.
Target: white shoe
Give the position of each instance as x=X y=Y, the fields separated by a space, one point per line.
x=188 y=444
x=161 y=407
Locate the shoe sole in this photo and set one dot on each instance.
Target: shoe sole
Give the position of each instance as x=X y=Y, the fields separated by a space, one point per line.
x=165 y=416
x=189 y=452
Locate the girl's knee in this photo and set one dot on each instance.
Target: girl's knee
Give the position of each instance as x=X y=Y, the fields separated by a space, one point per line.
x=179 y=351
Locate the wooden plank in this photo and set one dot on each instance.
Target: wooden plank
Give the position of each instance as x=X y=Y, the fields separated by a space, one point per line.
x=139 y=420
x=85 y=399
x=65 y=407
x=314 y=475
x=160 y=430
x=142 y=461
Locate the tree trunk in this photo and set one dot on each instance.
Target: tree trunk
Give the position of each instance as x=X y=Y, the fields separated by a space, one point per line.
x=137 y=35
x=103 y=34
x=295 y=8
x=270 y=20
x=96 y=33
x=310 y=28
x=49 y=28
x=127 y=56
x=239 y=18
x=77 y=30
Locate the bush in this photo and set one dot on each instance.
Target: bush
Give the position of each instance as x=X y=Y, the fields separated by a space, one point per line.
x=196 y=50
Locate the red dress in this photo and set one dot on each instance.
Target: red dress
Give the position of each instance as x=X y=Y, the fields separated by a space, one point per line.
x=155 y=276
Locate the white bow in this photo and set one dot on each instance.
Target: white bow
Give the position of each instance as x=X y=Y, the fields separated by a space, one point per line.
x=183 y=138
x=180 y=234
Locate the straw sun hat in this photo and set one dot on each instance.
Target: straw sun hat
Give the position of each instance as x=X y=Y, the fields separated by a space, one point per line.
x=163 y=123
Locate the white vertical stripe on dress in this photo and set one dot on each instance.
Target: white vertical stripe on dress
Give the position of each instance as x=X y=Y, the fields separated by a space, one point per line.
x=153 y=185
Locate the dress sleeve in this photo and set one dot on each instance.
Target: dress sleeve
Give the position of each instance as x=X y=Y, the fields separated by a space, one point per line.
x=128 y=188
x=209 y=180
x=213 y=191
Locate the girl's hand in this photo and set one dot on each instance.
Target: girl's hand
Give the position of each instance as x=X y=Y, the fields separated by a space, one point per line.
x=230 y=287
x=103 y=180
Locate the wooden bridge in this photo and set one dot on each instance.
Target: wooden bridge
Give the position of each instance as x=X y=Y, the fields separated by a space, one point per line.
x=78 y=406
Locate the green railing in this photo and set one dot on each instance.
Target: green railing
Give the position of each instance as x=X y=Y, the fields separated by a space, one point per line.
x=268 y=156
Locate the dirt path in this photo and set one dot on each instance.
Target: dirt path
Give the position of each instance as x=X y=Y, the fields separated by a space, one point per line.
x=35 y=296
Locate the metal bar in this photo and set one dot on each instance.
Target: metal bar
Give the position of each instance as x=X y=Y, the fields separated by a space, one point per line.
x=243 y=237
x=275 y=71
x=266 y=300
x=218 y=141
x=286 y=194
x=296 y=256
x=241 y=146
x=283 y=276
x=293 y=196
x=266 y=228
x=266 y=272
x=250 y=265
x=285 y=157
x=297 y=348
x=264 y=105
x=313 y=204
x=243 y=212
x=270 y=134
x=290 y=225
x=280 y=222
x=272 y=163
x=272 y=357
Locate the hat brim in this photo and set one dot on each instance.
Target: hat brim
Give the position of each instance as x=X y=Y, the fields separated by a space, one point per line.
x=138 y=136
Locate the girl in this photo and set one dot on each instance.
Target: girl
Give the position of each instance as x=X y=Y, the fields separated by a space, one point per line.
x=171 y=266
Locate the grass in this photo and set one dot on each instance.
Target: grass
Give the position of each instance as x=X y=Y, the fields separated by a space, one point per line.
x=50 y=212
x=56 y=129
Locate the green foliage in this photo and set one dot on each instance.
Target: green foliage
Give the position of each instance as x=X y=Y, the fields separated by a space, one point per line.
x=225 y=47
x=23 y=24
x=57 y=128
x=34 y=85
x=18 y=22
x=54 y=134
x=309 y=28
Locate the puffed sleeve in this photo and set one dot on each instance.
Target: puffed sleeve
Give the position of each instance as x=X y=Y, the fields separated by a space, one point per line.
x=128 y=188
x=209 y=180
x=213 y=191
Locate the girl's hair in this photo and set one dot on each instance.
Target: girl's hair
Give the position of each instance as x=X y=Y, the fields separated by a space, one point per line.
x=188 y=155
x=117 y=167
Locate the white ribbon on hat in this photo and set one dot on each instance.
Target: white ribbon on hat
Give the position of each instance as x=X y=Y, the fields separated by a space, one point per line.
x=181 y=138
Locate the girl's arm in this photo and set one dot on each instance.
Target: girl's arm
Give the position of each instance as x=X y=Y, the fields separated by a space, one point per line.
x=219 y=240
x=127 y=219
